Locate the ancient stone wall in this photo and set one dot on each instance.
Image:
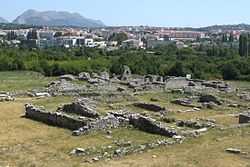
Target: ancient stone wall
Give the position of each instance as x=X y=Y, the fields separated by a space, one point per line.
x=102 y=123
x=150 y=106
x=244 y=118
x=83 y=107
x=150 y=125
x=54 y=119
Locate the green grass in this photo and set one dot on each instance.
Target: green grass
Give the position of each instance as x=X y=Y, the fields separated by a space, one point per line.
x=20 y=81
x=240 y=84
x=31 y=143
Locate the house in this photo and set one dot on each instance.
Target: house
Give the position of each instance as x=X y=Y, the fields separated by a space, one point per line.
x=89 y=42
x=46 y=34
x=30 y=44
x=132 y=44
x=153 y=43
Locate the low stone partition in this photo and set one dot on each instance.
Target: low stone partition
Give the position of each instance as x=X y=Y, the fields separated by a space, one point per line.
x=195 y=125
x=151 y=126
x=182 y=103
x=150 y=106
x=210 y=98
x=244 y=118
x=83 y=107
x=102 y=123
x=54 y=119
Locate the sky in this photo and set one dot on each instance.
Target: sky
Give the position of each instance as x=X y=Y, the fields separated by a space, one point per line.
x=162 y=13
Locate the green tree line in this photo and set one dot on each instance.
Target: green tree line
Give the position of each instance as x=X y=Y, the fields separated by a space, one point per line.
x=204 y=62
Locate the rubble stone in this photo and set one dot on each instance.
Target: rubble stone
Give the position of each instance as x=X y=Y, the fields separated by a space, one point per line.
x=67 y=77
x=84 y=107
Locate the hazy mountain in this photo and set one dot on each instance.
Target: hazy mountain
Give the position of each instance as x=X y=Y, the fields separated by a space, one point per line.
x=2 y=20
x=54 y=18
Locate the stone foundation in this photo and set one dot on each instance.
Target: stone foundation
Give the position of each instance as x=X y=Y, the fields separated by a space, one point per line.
x=54 y=119
x=244 y=118
x=151 y=107
x=150 y=125
x=83 y=107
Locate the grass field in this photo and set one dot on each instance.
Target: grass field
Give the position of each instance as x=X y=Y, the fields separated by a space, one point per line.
x=24 y=142
x=20 y=81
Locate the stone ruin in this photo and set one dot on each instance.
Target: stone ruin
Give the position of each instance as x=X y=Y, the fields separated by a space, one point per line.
x=151 y=107
x=244 y=96
x=151 y=126
x=210 y=98
x=67 y=77
x=126 y=73
x=79 y=125
x=5 y=97
x=84 y=107
x=182 y=103
x=138 y=84
x=153 y=79
x=112 y=120
x=53 y=118
x=244 y=118
x=101 y=123
x=84 y=76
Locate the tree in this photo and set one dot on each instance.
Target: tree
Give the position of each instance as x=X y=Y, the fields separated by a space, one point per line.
x=118 y=37
x=224 y=38
x=229 y=71
x=176 y=70
x=231 y=38
x=32 y=34
x=166 y=38
x=11 y=35
x=243 y=45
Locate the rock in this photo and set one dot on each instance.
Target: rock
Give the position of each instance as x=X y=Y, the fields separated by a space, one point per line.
x=6 y=97
x=118 y=151
x=126 y=73
x=121 y=89
x=78 y=151
x=42 y=94
x=182 y=103
x=244 y=96
x=114 y=77
x=234 y=150
x=67 y=77
x=93 y=81
x=84 y=76
x=191 y=83
x=150 y=106
x=95 y=159
x=123 y=143
x=94 y=75
x=244 y=118
x=210 y=98
x=104 y=75
x=154 y=99
x=209 y=105
x=177 y=137
x=109 y=132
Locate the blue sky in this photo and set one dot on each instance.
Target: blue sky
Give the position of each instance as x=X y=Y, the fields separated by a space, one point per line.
x=172 y=13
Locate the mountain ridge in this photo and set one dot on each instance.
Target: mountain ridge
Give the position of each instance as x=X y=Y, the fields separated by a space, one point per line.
x=2 y=20
x=56 y=18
